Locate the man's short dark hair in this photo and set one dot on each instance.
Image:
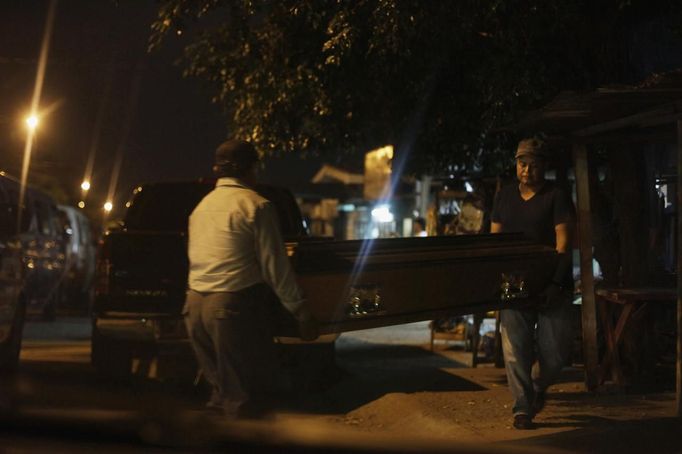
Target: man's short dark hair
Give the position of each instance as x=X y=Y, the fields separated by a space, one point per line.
x=234 y=158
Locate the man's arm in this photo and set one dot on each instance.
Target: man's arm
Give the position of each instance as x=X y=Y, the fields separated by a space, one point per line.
x=277 y=270
x=564 y=250
x=274 y=263
x=563 y=237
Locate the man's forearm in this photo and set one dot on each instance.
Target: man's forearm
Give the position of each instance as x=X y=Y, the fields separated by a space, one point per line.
x=563 y=268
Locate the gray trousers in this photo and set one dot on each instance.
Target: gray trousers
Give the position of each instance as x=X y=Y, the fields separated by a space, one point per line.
x=536 y=346
x=232 y=337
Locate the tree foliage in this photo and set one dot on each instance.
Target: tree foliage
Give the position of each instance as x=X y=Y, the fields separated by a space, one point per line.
x=434 y=77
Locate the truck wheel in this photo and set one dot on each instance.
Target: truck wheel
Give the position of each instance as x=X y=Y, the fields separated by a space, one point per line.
x=11 y=347
x=112 y=358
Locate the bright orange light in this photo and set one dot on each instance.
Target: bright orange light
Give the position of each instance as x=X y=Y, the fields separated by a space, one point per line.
x=85 y=185
x=108 y=206
x=81 y=204
x=32 y=122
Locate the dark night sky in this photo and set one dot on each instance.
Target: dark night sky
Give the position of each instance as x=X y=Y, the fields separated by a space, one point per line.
x=95 y=45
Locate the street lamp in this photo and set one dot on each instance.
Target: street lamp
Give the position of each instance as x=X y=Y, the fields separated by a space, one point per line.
x=85 y=185
x=108 y=206
x=81 y=204
x=32 y=122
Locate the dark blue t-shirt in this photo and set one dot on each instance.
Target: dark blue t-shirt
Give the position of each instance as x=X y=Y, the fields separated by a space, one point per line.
x=535 y=217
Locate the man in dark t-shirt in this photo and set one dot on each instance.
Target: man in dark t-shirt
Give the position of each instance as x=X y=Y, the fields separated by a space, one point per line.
x=545 y=214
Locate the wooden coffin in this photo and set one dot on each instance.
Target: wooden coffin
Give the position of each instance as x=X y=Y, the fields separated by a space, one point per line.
x=363 y=284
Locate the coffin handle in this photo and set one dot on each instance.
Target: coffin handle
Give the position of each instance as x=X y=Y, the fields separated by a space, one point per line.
x=364 y=300
x=513 y=286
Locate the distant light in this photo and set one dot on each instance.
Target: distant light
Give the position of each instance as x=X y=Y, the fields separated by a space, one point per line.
x=85 y=185
x=468 y=186
x=128 y=204
x=382 y=213
x=347 y=207
x=81 y=204
x=32 y=122
x=178 y=32
x=108 y=206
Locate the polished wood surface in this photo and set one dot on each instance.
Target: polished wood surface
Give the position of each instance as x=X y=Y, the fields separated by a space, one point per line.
x=415 y=279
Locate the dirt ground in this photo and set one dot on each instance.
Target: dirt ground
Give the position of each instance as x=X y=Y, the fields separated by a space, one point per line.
x=395 y=388
x=392 y=394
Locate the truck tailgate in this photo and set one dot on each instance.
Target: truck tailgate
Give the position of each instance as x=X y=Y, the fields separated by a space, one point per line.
x=143 y=272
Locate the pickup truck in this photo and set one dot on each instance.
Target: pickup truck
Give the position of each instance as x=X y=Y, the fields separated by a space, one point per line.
x=351 y=284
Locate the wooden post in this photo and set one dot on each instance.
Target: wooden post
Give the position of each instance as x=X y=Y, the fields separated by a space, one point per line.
x=678 y=369
x=589 y=312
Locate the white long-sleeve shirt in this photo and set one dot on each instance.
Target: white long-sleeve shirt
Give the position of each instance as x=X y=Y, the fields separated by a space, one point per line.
x=235 y=242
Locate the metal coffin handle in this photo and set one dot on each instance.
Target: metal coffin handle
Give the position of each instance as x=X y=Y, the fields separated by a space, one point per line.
x=364 y=300
x=513 y=286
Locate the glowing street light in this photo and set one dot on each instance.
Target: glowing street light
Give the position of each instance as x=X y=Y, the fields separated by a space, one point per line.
x=32 y=122
x=85 y=185
x=81 y=204
x=108 y=206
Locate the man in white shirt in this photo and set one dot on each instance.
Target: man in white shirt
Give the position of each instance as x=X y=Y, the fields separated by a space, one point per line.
x=235 y=252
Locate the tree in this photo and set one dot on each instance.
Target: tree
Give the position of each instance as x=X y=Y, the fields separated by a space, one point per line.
x=434 y=77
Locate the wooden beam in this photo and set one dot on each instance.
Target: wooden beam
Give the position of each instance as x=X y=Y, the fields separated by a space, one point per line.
x=664 y=134
x=666 y=114
x=589 y=309
x=678 y=369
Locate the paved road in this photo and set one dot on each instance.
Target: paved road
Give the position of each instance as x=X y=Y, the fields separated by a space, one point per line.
x=58 y=390
x=55 y=372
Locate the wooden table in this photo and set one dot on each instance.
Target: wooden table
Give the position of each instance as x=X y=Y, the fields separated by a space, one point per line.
x=623 y=303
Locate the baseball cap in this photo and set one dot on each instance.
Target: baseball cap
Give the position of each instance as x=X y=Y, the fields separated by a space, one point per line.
x=532 y=147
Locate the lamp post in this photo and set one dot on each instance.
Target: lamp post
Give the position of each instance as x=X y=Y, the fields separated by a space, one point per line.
x=31 y=125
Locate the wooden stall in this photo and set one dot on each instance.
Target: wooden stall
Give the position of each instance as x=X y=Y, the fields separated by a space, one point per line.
x=650 y=113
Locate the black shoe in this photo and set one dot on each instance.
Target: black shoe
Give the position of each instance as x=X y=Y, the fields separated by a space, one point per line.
x=538 y=402
x=523 y=422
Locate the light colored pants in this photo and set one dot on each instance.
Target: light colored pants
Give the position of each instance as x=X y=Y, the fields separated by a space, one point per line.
x=536 y=346
x=231 y=334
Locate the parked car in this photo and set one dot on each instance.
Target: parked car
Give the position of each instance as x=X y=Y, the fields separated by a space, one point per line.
x=12 y=275
x=42 y=246
x=31 y=263
x=79 y=267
